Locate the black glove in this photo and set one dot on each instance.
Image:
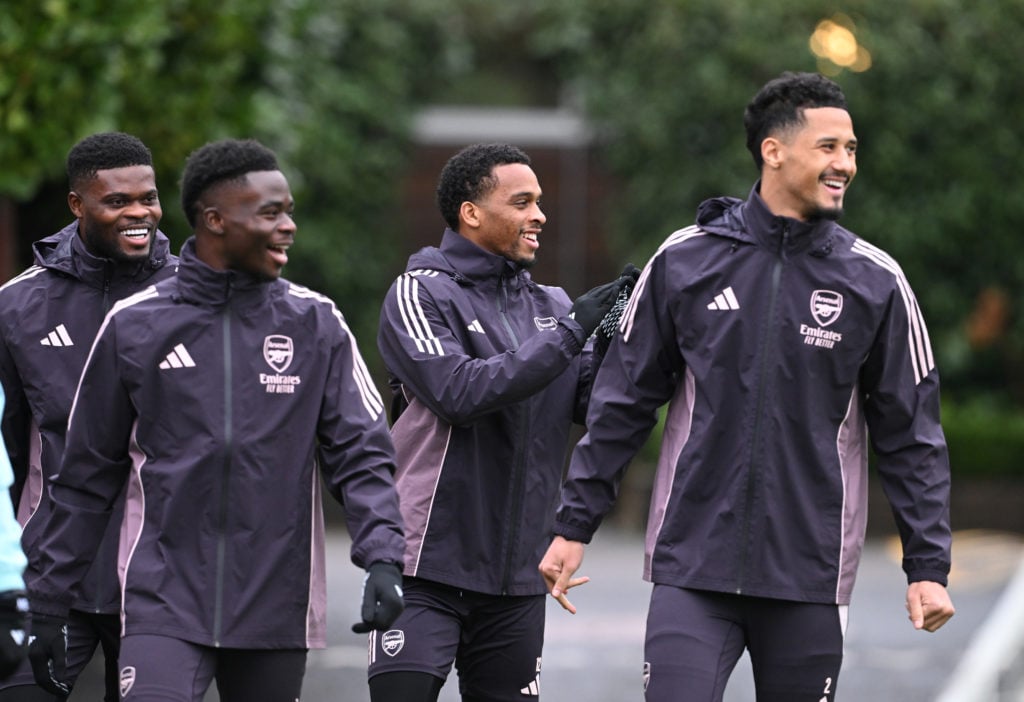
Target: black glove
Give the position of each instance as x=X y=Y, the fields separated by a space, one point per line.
x=630 y=274
x=591 y=307
x=382 y=597
x=48 y=653
x=13 y=620
x=610 y=322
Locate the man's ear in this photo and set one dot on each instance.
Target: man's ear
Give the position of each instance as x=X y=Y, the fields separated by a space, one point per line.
x=772 y=152
x=469 y=214
x=75 y=204
x=212 y=220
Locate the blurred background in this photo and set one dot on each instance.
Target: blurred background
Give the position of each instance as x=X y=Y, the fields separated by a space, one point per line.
x=632 y=112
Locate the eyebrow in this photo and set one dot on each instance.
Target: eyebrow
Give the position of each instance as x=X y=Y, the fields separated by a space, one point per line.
x=832 y=139
x=118 y=193
x=524 y=193
x=280 y=202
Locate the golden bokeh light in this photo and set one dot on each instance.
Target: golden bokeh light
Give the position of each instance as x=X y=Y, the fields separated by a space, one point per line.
x=834 y=40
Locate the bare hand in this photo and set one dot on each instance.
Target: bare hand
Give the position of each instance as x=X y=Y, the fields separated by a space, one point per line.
x=928 y=605
x=561 y=561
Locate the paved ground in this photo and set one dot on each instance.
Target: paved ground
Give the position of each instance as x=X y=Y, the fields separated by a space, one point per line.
x=597 y=655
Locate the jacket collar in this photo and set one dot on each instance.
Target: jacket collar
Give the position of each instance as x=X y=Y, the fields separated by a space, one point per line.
x=471 y=262
x=750 y=220
x=199 y=284
x=770 y=228
x=65 y=252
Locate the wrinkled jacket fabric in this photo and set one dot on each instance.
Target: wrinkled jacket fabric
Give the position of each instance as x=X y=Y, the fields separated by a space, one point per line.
x=49 y=315
x=489 y=377
x=221 y=400
x=779 y=346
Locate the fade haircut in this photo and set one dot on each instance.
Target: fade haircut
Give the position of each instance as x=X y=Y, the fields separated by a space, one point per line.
x=467 y=176
x=780 y=105
x=218 y=162
x=103 y=151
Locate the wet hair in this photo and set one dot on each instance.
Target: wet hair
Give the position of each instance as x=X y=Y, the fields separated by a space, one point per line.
x=219 y=162
x=103 y=151
x=779 y=105
x=467 y=176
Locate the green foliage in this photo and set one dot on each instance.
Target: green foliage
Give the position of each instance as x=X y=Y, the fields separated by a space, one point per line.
x=983 y=440
x=332 y=87
x=937 y=115
x=341 y=83
x=61 y=65
x=173 y=73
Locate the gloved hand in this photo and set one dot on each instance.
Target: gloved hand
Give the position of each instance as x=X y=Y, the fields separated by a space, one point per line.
x=48 y=653
x=13 y=620
x=606 y=329
x=382 y=597
x=591 y=307
x=630 y=274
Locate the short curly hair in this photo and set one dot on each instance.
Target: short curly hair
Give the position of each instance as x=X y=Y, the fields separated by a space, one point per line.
x=467 y=176
x=780 y=104
x=103 y=151
x=217 y=162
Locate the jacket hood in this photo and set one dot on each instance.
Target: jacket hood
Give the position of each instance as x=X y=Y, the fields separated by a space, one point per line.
x=65 y=253
x=751 y=221
x=465 y=262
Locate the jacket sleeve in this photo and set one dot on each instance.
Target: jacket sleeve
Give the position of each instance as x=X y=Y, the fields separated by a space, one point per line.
x=94 y=468
x=16 y=421
x=901 y=386
x=12 y=559
x=356 y=455
x=590 y=362
x=638 y=375
x=420 y=349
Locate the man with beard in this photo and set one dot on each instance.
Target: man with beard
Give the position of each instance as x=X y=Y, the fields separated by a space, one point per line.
x=780 y=339
x=49 y=315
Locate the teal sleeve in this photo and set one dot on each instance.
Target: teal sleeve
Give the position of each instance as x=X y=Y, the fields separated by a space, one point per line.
x=12 y=558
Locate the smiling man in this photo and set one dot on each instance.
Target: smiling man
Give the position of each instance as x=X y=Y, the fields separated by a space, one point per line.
x=49 y=316
x=224 y=397
x=781 y=342
x=489 y=371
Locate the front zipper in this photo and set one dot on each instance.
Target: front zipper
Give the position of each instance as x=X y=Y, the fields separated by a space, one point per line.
x=222 y=516
x=755 y=438
x=517 y=480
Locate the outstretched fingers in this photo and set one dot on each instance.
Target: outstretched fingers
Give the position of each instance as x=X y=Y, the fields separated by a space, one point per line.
x=560 y=563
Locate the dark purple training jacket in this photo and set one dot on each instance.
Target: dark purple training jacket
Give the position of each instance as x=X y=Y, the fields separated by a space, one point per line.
x=778 y=345
x=490 y=374
x=49 y=315
x=221 y=400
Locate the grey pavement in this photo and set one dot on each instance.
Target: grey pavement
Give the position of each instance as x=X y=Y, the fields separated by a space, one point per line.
x=597 y=655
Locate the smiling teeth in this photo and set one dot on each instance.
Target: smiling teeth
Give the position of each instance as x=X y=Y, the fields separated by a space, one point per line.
x=142 y=231
x=834 y=183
